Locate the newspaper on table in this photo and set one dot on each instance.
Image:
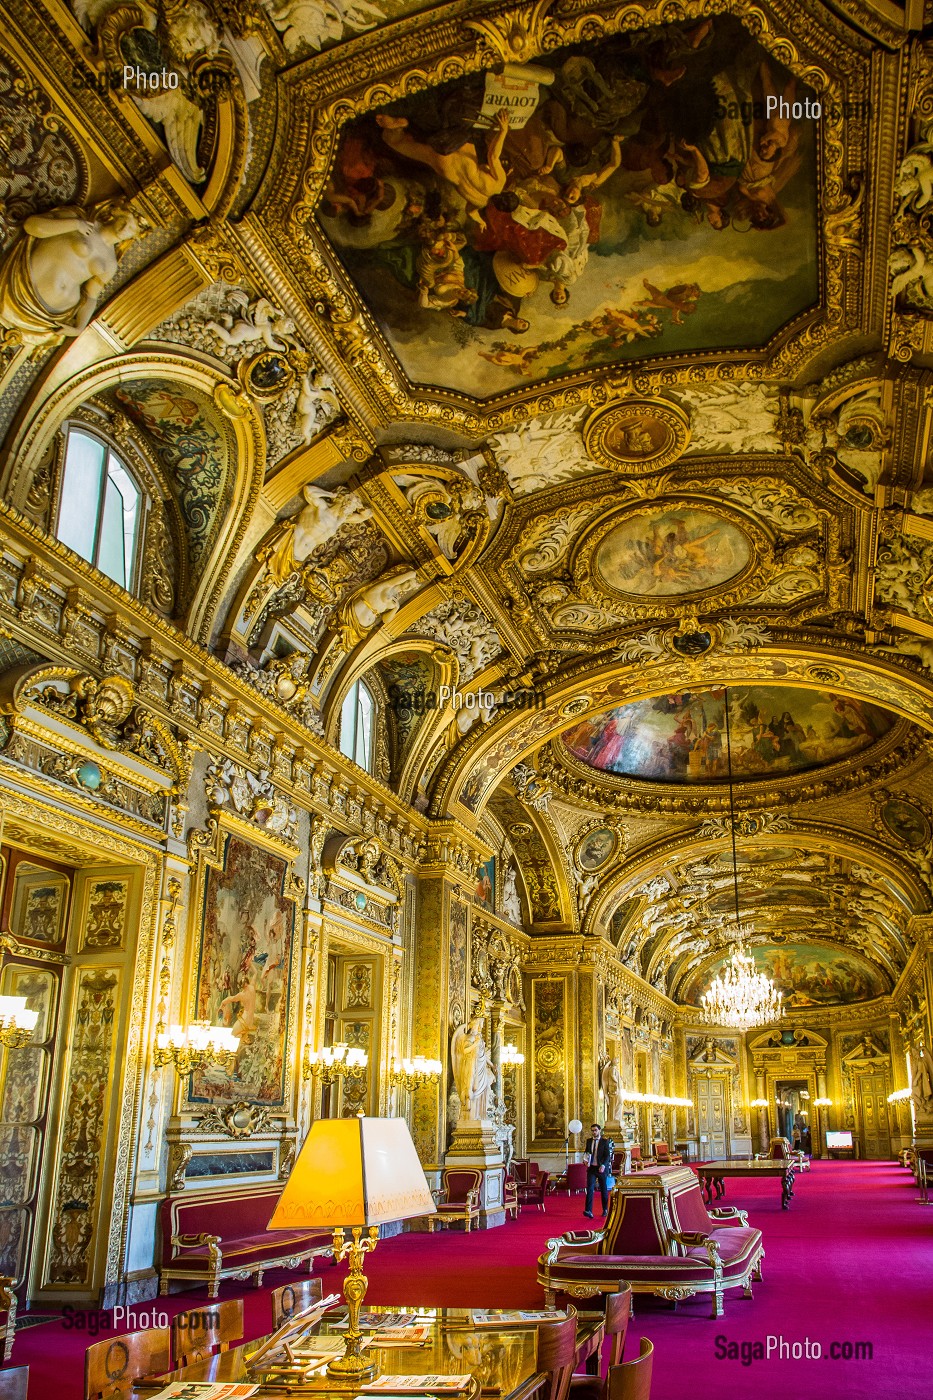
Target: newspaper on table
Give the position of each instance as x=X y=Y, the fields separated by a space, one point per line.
x=516 y=1317
x=206 y=1390
x=415 y=1385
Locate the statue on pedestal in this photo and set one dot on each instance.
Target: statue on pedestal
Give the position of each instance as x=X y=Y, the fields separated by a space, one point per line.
x=474 y=1074
x=612 y=1091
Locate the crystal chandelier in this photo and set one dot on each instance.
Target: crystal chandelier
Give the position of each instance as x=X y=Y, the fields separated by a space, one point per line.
x=740 y=996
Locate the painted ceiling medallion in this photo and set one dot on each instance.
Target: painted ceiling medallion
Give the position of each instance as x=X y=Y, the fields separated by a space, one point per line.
x=776 y=730
x=637 y=436
x=671 y=553
x=589 y=204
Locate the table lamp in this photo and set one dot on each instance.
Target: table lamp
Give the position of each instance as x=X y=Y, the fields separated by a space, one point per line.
x=358 y=1173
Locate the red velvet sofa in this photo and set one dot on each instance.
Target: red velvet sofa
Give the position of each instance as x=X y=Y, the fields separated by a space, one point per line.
x=211 y=1235
x=660 y=1238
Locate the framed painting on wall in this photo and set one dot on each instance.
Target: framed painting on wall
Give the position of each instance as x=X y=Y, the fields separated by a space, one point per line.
x=243 y=981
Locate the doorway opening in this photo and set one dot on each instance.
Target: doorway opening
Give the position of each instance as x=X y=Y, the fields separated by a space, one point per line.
x=792 y=1103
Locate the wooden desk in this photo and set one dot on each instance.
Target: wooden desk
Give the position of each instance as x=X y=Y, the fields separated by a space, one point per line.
x=715 y=1174
x=502 y=1362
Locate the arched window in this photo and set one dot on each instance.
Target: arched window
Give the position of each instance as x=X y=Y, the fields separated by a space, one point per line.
x=356 y=725
x=100 y=507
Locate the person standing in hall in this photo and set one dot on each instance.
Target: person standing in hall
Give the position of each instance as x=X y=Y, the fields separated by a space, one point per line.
x=598 y=1151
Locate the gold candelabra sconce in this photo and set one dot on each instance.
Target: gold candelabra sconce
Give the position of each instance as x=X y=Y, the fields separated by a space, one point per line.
x=415 y=1073
x=17 y=1022
x=199 y=1046
x=332 y=1062
x=511 y=1057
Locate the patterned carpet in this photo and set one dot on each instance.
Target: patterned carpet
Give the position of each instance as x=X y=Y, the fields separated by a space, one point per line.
x=850 y=1262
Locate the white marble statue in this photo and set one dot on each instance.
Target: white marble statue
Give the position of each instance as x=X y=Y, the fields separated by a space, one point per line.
x=474 y=1074
x=511 y=902
x=612 y=1090
x=52 y=277
x=316 y=406
x=378 y=602
x=260 y=322
x=310 y=24
x=325 y=513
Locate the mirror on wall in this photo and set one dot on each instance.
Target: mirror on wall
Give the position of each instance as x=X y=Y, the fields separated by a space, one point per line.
x=40 y=903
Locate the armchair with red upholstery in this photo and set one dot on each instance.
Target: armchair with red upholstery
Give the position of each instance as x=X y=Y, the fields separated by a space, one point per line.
x=457 y=1198
x=575 y=1179
x=660 y=1238
x=780 y=1150
x=665 y=1157
x=533 y=1193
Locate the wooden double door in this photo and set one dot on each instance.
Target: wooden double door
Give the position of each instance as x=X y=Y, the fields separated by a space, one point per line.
x=712 y=1100
x=874 y=1127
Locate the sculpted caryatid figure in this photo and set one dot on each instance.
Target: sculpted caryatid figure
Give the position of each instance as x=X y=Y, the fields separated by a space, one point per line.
x=474 y=1074
x=612 y=1089
x=52 y=277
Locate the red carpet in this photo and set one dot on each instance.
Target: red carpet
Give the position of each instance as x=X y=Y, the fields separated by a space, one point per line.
x=850 y=1262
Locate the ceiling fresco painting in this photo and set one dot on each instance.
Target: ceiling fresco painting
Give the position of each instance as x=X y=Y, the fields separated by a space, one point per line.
x=602 y=203
x=809 y=974
x=672 y=552
x=682 y=738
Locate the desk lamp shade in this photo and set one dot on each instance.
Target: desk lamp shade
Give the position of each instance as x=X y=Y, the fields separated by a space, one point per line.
x=354 y=1171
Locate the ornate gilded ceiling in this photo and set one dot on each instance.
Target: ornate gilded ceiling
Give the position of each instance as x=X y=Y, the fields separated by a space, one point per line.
x=588 y=413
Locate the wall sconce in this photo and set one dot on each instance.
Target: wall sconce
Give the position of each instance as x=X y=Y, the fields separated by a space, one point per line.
x=334 y=1062
x=414 y=1073
x=16 y=1022
x=897 y=1097
x=511 y=1057
x=758 y=1103
x=194 y=1047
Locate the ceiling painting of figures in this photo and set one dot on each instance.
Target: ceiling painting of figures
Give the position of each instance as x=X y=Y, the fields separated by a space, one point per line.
x=809 y=974
x=672 y=552
x=636 y=196
x=775 y=730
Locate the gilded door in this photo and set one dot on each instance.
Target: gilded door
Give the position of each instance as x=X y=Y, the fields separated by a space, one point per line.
x=712 y=1117
x=873 y=1105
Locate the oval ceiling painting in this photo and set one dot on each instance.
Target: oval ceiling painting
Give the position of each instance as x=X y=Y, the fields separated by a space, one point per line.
x=775 y=730
x=809 y=974
x=672 y=552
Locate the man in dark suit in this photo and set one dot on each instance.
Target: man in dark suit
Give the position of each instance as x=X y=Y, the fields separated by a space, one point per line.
x=598 y=1152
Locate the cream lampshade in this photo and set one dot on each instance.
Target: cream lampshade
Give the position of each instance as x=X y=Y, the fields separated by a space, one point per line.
x=356 y=1173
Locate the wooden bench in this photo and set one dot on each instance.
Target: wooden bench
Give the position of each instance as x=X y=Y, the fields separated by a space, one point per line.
x=211 y=1235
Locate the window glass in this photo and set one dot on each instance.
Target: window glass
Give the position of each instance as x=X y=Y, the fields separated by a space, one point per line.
x=364 y=728
x=80 y=499
x=100 y=509
x=356 y=726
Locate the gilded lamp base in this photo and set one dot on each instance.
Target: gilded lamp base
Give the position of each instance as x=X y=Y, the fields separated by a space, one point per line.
x=353 y=1369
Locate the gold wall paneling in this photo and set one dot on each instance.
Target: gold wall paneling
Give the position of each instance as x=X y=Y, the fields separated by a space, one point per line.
x=107 y=966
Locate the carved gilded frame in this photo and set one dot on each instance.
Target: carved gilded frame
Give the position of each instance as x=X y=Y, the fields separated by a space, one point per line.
x=324 y=95
x=207 y=849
